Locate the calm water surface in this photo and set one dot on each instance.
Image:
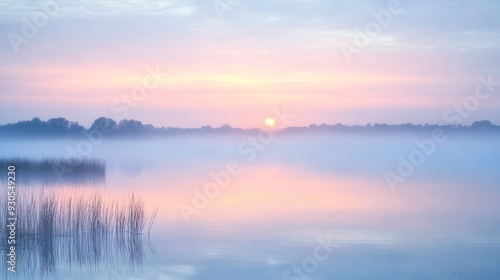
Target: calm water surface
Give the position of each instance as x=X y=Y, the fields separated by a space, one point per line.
x=315 y=207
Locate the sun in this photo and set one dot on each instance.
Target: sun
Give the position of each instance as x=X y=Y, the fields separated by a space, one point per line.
x=270 y=122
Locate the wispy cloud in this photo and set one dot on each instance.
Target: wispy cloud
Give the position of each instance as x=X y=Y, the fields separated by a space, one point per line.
x=431 y=53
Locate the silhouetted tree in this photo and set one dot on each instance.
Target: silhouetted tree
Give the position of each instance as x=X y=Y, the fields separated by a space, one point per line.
x=482 y=124
x=58 y=124
x=130 y=125
x=106 y=125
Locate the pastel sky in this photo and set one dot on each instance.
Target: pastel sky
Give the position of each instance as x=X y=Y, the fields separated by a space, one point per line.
x=263 y=55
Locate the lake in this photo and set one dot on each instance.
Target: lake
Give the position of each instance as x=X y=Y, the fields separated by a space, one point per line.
x=292 y=207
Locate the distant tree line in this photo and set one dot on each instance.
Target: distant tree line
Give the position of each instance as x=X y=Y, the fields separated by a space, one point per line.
x=60 y=127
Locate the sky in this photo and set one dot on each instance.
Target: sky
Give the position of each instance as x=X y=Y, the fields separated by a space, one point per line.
x=201 y=62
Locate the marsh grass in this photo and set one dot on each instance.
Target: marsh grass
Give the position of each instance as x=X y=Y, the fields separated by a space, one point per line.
x=81 y=229
x=56 y=171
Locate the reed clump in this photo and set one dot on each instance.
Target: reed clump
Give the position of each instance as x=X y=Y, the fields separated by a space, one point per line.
x=42 y=217
x=78 y=229
x=50 y=171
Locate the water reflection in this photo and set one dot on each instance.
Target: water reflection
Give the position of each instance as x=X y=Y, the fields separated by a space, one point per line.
x=44 y=258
